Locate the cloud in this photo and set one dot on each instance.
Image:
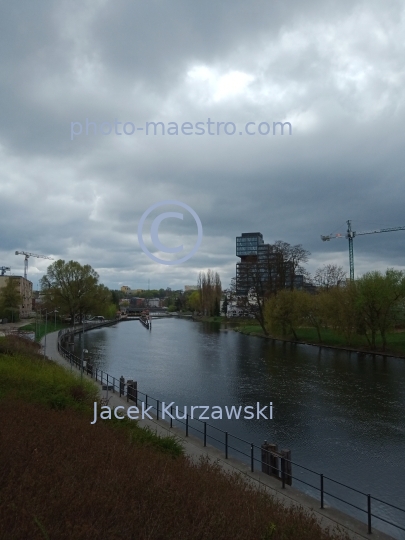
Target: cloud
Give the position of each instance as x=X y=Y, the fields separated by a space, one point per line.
x=333 y=70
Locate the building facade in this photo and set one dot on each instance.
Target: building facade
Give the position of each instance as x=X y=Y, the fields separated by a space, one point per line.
x=24 y=288
x=125 y=289
x=261 y=267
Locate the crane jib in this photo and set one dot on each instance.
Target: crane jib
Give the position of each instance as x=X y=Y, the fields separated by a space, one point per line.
x=351 y=234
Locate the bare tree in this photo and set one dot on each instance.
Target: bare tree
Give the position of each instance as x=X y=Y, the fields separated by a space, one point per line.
x=275 y=268
x=329 y=275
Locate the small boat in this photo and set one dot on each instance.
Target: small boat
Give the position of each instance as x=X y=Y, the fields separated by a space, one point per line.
x=145 y=319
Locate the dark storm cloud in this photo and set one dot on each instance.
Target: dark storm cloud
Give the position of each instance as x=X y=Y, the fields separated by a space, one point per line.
x=333 y=69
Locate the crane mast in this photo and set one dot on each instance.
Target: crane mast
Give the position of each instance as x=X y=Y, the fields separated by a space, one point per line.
x=27 y=256
x=350 y=236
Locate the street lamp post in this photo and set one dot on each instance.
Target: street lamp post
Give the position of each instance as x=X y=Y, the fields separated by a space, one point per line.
x=55 y=311
x=83 y=363
x=46 y=329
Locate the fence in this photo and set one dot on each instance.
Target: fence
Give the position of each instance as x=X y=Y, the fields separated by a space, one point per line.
x=324 y=484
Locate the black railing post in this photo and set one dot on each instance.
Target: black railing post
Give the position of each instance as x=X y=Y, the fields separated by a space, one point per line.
x=146 y=401
x=252 y=458
x=186 y=425
x=96 y=374
x=171 y=414
x=114 y=385
x=369 y=513
x=226 y=445
x=283 y=471
x=157 y=409
x=321 y=490
x=205 y=433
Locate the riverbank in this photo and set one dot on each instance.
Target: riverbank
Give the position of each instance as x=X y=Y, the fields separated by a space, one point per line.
x=48 y=442
x=166 y=345
x=331 y=340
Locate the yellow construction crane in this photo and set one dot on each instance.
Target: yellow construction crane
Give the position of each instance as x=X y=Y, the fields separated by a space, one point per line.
x=27 y=256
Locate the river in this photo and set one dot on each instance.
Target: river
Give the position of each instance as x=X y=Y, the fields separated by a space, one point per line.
x=340 y=413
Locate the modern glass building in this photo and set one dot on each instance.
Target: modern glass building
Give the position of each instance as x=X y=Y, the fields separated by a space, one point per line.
x=261 y=267
x=247 y=244
x=247 y=247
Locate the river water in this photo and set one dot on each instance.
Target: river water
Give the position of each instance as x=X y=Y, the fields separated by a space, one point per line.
x=340 y=414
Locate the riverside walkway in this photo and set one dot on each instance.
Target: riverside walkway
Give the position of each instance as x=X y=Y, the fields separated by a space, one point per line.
x=328 y=518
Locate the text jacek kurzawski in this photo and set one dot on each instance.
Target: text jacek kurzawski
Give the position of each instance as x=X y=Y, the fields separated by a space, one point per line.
x=198 y=412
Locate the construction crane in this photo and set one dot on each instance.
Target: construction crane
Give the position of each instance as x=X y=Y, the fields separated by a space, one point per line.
x=4 y=269
x=351 y=234
x=27 y=256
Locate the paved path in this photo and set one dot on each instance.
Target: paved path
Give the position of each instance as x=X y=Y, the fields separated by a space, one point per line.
x=11 y=327
x=194 y=448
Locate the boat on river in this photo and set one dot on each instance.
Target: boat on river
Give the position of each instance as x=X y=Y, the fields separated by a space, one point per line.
x=146 y=320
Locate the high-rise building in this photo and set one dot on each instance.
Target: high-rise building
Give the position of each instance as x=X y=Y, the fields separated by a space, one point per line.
x=247 y=249
x=261 y=266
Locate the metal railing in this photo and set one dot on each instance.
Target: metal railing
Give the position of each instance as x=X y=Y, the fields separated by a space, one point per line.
x=252 y=451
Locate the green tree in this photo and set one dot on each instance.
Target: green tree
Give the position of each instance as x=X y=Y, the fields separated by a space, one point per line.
x=193 y=301
x=116 y=296
x=217 y=311
x=74 y=288
x=210 y=291
x=341 y=311
x=10 y=299
x=286 y=311
x=225 y=305
x=380 y=301
x=315 y=312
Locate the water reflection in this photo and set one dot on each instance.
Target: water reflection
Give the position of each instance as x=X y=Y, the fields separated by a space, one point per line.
x=340 y=413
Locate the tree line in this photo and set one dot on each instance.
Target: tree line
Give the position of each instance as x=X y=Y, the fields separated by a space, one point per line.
x=368 y=307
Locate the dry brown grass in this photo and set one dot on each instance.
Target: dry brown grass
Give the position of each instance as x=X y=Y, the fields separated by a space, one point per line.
x=14 y=344
x=62 y=478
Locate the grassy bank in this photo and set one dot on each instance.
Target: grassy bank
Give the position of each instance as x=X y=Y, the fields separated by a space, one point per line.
x=218 y=318
x=396 y=340
x=63 y=478
x=41 y=328
x=223 y=319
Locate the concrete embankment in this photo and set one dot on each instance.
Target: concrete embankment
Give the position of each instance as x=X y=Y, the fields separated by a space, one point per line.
x=329 y=518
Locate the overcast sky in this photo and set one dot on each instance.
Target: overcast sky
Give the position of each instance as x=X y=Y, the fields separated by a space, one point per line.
x=333 y=69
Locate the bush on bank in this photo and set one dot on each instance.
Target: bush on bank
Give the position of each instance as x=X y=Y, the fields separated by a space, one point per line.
x=63 y=478
x=363 y=313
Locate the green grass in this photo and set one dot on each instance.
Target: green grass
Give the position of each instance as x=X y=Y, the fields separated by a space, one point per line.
x=26 y=375
x=217 y=318
x=250 y=328
x=169 y=444
x=41 y=328
x=395 y=340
